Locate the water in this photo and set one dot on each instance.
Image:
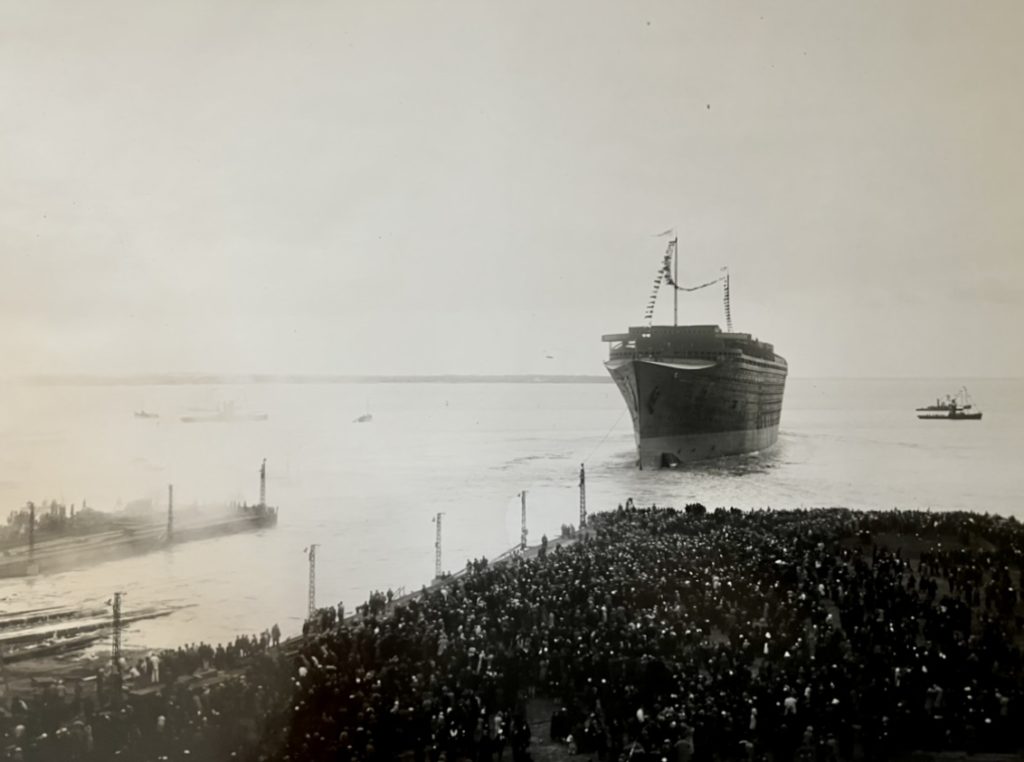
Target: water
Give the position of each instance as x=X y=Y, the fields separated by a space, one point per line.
x=367 y=492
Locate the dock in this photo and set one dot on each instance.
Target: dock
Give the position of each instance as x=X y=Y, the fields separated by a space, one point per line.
x=56 y=631
x=74 y=546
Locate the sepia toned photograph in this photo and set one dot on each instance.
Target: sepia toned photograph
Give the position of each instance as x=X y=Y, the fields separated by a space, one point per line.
x=474 y=381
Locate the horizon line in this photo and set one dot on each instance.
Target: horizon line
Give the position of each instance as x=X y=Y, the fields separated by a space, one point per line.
x=206 y=378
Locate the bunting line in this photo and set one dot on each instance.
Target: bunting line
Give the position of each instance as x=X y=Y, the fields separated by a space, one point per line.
x=665 y=276
x=725 y=298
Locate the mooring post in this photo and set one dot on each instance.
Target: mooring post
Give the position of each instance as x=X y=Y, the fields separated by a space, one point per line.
x=170 y=512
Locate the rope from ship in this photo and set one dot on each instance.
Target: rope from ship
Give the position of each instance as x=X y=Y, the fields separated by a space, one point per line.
x=605 y=437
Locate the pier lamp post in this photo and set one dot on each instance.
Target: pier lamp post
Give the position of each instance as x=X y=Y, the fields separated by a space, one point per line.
x=523 y=532
x=437 y=546
x=115 y=650
x=115 y=602
x=170 y=512
x=583 y=497
x=311 y=550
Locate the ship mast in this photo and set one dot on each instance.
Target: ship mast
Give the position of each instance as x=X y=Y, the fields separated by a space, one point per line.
x=674 y=243
x=669 y=273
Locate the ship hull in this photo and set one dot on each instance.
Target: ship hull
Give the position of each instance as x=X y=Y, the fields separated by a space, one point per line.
x=692 y=410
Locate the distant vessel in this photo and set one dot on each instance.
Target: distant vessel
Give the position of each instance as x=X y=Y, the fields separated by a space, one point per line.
x=146 y=414
x=226 y=414
x=364 y=418
x=955 y=407
x=694 y=391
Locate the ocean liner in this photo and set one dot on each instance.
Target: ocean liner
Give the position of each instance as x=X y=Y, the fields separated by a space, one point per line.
x=696 y=392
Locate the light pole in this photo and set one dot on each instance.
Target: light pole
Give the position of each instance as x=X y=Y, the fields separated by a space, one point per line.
x=437 y=547
x=523 y=532
x=312 y=579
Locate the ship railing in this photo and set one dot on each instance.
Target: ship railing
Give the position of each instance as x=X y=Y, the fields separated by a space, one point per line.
x=623 y=346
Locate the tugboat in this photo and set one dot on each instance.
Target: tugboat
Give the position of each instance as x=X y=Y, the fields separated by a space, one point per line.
x=955 y=407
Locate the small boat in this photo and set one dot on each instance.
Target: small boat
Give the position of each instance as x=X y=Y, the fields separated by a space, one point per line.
x=364 y=418
x=955 y=407
x=146 y=414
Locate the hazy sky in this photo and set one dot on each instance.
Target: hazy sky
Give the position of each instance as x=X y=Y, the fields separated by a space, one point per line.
x=468 y=187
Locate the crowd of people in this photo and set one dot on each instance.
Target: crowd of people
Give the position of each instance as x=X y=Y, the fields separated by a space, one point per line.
x=660 y=634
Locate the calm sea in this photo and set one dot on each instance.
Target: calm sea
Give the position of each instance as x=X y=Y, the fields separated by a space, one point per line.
x=366 y=492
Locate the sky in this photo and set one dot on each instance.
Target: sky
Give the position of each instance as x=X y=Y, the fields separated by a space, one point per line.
x=417 y=187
